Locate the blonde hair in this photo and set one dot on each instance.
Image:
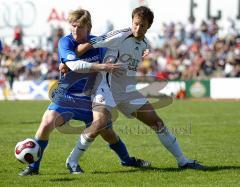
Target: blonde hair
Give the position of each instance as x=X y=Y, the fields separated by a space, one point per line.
x=82 y=17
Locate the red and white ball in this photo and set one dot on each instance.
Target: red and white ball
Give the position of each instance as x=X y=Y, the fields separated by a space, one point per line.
x=28 y=151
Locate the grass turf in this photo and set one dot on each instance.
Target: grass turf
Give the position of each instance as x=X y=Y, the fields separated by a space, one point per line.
x=207 y=131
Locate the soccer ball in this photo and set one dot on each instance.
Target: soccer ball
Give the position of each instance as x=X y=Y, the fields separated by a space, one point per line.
x=28 y=151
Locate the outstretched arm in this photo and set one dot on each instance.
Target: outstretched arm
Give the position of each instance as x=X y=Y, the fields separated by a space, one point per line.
x=81 y=66
x=86 y=67
x=110 y=40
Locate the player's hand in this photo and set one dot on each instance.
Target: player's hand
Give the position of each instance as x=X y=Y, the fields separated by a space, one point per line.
x=63 y=68
x=145 y=53
x=118 y=69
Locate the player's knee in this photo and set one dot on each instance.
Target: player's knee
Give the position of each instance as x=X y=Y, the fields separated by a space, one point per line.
x=157 y=125
x=98 y=125
x=95 y=129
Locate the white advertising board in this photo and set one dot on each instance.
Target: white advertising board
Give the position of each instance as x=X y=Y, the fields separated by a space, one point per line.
x=225 y=88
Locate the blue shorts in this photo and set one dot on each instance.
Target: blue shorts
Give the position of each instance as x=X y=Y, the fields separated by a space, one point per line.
x=77 y=108
x=72 y=113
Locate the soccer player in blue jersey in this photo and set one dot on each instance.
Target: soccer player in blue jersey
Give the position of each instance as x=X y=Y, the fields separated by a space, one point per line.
x=112 y=92
x=71 y=98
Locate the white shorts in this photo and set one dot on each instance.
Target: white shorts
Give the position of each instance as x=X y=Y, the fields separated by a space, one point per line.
x=126 y=103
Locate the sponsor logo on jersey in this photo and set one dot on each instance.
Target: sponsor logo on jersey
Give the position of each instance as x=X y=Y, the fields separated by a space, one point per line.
x=133 y=64
x=92 y=59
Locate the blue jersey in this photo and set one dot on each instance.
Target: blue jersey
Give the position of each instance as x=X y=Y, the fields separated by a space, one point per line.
x=68 y=98
x=72 y=82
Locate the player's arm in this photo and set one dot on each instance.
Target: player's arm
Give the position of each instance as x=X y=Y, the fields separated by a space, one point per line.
x=71 y=61
x=81 y=66
x=148 y=49
x=110 y=40
x=83 y=48
x=94 y=67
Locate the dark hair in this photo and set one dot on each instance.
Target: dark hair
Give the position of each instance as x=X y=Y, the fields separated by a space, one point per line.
x=144 y=13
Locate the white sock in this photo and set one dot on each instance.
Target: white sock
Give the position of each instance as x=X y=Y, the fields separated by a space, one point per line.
x=82 y=144
x=170 y=143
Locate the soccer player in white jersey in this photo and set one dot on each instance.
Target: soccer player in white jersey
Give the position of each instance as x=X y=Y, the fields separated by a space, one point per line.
x=126 y=46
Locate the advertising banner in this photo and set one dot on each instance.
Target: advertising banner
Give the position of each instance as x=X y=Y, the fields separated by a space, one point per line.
x=225 y=88
x=198 y=89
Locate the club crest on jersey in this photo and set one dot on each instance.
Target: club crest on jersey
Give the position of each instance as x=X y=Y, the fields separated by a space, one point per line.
x=71 y=57
x=100 y=99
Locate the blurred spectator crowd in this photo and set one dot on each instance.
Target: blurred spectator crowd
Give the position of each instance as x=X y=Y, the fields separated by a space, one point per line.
x=30 y=63
x=183 y=52
x=190 y=52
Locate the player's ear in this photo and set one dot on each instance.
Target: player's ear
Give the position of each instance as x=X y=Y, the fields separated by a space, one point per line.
x=149 y=25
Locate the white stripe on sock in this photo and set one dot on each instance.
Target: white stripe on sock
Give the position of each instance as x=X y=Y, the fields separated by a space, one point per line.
x=82 y=145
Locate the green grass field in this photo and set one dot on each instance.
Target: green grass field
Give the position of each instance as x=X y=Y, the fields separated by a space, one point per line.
x=208 y=131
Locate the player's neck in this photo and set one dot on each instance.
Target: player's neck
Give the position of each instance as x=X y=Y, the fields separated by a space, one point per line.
x=82 y=40
x=139 y=38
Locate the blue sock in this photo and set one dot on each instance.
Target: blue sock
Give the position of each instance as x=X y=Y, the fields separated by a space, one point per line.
x=121 y=151
x=43 y=145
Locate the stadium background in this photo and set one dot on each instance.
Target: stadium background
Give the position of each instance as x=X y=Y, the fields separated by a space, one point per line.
x=198 y=60
x=191 y=50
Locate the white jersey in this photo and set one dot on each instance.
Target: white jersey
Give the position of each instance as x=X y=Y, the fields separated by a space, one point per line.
x=122 y=48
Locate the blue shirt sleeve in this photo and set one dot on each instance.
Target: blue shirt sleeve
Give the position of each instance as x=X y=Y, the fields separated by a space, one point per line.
x=66 y=50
